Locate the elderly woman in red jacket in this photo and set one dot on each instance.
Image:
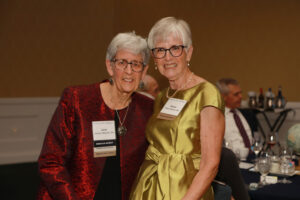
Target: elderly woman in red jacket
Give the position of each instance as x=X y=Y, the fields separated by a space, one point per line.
x=95 y=142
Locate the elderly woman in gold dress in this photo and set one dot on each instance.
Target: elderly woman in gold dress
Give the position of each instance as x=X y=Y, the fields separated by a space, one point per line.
x=186 y=130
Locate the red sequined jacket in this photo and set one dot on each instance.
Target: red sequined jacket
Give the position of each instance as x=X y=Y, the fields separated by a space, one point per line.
x=67 y=167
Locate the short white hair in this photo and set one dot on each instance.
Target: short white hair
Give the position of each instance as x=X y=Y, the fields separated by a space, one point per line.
x=223 y=83
x=131 y=42
x=168 y=26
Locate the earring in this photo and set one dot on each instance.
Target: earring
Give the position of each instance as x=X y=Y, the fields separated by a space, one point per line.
x=155 y=66
x=188 y=63
x=111 y=81
x=141 y=85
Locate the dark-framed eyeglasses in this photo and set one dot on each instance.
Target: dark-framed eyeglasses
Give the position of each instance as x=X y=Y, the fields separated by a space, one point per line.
x=175 y=51
x=121 y=64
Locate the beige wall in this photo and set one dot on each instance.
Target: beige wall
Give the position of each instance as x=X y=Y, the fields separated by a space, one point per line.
x=48 y=45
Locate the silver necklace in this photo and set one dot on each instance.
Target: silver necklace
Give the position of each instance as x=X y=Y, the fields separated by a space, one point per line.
x=189 y=80
x=121 y=128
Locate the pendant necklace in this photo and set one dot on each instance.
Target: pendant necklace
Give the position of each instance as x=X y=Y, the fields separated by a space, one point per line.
x=189 y=80
x=121 y=128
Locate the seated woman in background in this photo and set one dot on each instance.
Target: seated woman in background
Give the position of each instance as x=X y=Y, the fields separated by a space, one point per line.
x=95 y=142
x=186 y=129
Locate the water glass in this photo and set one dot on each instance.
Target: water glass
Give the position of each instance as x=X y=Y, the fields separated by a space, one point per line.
x=286 y=167
x=264 y=165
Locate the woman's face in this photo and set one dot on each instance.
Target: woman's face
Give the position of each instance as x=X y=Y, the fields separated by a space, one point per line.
x=169 y=66
x=125 y=80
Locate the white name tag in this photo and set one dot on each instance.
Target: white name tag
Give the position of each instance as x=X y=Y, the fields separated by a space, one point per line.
x=104 y=136
x=270 y=179
x=171 y=109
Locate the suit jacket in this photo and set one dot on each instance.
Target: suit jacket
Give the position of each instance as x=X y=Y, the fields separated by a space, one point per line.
x=66 y=164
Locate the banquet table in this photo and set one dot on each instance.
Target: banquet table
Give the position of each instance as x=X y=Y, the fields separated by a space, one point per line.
x=276 y=191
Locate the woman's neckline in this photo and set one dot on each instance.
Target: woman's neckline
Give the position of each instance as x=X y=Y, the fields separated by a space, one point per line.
x=198 y=84
x=102 y=99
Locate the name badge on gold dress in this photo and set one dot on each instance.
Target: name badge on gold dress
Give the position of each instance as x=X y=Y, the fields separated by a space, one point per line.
x=171 y=109
x=104 y=136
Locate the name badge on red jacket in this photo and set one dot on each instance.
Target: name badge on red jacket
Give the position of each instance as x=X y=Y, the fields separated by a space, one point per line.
x=104 y=136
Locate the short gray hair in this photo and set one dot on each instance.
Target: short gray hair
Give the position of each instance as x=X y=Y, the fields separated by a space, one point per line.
x=170 y=25
x=131 y=42
x=223 y=83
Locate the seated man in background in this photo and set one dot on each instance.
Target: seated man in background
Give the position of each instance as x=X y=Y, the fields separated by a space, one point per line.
x=149 y=86
x=238 y=133
x=239 y=125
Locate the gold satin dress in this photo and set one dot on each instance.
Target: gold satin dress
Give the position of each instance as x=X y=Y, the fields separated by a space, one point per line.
x=173 y=156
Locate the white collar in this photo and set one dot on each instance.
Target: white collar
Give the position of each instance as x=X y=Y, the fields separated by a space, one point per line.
x=227 y=110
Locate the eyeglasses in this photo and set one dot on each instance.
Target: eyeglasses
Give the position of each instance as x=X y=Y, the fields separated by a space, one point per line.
x=175 y=51
x=135 y=65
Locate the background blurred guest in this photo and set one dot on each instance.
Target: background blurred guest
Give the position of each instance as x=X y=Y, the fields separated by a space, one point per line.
x=184 y=152
x=149 y=86
x=229 y=174
x=239 y=124
x=95 y=142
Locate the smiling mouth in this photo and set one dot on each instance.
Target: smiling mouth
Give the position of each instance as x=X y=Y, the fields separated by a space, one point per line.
x=128 y=80
x=168 y=66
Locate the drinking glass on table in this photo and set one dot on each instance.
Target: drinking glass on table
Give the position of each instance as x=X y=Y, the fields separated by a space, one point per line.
x=272 y=139
x=264 y=165
x=286 y=152
x=286 y=165
x=257 y=144
x=256 y=148
x=273 y=145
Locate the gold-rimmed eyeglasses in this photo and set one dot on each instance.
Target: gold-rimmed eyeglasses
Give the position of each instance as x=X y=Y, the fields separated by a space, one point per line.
x=121 y=64
x=175 y=51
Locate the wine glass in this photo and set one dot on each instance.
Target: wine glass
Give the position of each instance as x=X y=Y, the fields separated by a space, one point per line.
x=273 y=145
x=271 y=139
x=264 y=165
x=256 y=148
x=286 y=165
x=286 y=152
x=285 y=170
x=257 y=144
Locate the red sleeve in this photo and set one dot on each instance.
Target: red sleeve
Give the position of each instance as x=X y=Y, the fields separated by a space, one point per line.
x=57 y=150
